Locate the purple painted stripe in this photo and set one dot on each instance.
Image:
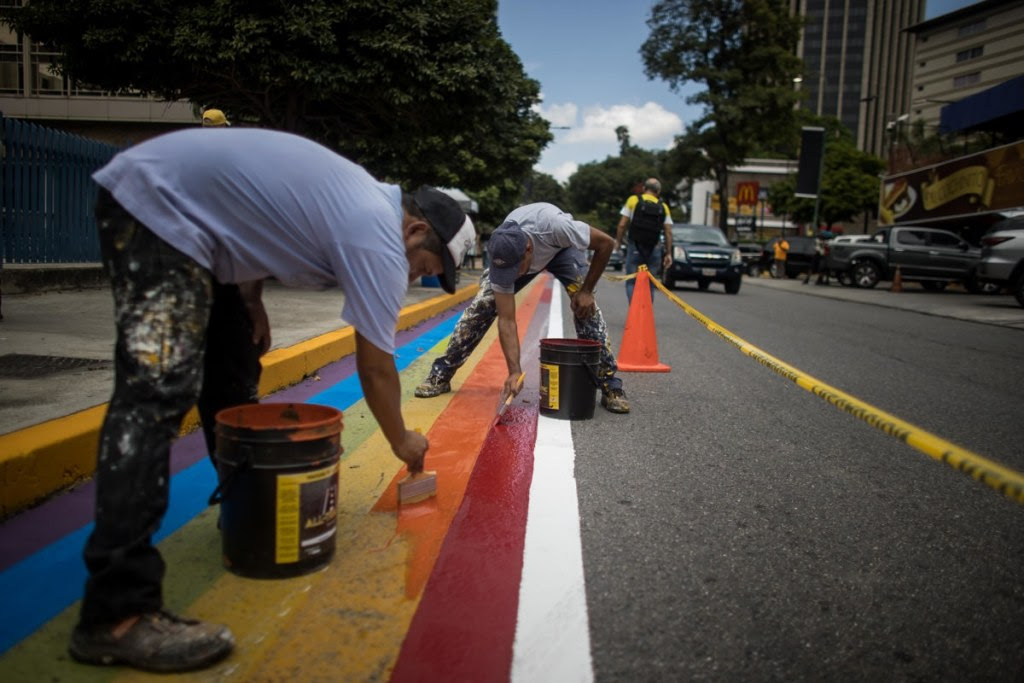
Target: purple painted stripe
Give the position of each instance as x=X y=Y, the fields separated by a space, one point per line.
x=31 y=530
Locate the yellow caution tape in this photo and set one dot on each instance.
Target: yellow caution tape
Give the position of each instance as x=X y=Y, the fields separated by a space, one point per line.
x=1009 y=483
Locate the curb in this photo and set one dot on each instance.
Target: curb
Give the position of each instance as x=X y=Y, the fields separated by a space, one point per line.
x=45 y=459
x=31 y=278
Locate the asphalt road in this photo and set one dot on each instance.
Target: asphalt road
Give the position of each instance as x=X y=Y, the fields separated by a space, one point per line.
x=736 y=527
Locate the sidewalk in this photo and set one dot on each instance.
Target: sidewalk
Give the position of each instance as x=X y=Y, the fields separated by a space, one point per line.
x=988 y=309
x=56 y=350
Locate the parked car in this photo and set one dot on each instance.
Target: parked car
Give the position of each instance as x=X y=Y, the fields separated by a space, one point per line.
x=842 y=275
x=702 y=254
x=750 y=252
x=930 y=256
x=1002 y=256
x=798 y=258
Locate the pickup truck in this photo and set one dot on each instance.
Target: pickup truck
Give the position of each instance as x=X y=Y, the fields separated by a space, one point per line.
x=930 y=256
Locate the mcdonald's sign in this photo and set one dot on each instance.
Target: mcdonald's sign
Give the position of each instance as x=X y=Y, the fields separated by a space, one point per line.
x=746 y=193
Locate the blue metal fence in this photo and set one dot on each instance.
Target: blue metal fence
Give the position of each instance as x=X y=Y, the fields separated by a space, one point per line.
x=48 y=194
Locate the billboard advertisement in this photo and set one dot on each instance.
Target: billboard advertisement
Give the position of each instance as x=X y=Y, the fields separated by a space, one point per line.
x=985 y=182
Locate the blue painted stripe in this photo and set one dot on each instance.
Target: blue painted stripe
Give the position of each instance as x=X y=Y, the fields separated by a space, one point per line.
x=42 y=585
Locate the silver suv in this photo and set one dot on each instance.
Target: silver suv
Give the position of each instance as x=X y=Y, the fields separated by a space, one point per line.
x=1002 y=256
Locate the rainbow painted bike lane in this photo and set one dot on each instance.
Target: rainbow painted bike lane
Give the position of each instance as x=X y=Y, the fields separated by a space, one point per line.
x=482 y=582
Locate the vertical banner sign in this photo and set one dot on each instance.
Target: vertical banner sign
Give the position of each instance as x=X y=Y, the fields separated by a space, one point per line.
x=746 y=193
x=812 y=154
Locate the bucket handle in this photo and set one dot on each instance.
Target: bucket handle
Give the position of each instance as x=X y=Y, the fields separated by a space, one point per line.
x=222 y=487
x=593 y=376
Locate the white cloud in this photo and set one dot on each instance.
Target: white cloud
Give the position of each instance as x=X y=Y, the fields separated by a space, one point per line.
x=592 y=136
x=559 y=114
x=649 y=125
x=562 y=171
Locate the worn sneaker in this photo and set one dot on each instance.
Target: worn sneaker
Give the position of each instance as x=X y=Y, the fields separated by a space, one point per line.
x=432 y=387
x=158 y=641
x=614 y=401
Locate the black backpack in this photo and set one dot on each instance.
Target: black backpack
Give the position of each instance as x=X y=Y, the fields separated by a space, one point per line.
x=647 y=224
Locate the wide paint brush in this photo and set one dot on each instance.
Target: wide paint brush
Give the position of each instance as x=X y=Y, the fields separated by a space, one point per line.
x=417 y=486
x=503 y=405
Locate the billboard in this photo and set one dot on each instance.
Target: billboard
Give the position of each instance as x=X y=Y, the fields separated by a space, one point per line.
x=985 y=182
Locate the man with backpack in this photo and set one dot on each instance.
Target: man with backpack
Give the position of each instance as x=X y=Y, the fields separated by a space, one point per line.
x=647 y=218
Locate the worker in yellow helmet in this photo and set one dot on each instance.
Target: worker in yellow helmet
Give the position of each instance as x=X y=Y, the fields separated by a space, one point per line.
x=214 y=118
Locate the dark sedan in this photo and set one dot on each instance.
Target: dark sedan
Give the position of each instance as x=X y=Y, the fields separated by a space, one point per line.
x=702 y=254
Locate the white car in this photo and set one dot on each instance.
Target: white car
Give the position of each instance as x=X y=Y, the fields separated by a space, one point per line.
x=843 y=276
x=1002 y=256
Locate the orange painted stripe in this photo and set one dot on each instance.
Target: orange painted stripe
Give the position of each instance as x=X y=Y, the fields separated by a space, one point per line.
x=456 y=438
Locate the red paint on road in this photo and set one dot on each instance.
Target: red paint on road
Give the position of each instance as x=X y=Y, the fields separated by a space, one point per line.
x=464 y=628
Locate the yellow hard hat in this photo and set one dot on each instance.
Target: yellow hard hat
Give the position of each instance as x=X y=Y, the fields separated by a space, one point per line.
x=215 y=117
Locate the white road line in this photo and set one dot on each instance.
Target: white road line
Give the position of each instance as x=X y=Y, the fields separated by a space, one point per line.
x=552 y=634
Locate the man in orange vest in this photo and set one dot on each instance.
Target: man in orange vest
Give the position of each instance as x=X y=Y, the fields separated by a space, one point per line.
x=781 y=250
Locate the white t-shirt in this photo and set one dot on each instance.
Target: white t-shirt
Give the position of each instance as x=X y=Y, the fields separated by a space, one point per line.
x=551 y=231
x=248 y=204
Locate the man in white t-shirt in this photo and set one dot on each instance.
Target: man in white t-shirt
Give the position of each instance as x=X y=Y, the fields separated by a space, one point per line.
x=190 y=224
x=533 y=238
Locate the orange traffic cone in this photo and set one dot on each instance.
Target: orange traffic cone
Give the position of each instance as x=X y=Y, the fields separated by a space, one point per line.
x=897 y=281
x=639 y=349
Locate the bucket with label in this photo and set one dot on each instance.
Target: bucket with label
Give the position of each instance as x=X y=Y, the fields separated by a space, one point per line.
x=568 y=378
x=278 y=491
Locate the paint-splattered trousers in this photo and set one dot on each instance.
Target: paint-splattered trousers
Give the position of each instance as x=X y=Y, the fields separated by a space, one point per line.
x=182 y=338
x=569 y=267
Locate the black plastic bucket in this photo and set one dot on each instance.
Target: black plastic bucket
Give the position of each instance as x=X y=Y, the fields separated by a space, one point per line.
x=568 y=377
x=278 y=491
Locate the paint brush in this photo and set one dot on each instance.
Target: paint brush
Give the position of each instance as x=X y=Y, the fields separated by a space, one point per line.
x=417 y=486
x=503 y=404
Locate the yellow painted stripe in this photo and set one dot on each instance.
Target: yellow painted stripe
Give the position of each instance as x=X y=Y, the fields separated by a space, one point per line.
x=1004 y=480
x=43 y=459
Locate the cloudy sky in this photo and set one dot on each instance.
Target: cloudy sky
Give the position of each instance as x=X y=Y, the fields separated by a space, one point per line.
x=585 y=53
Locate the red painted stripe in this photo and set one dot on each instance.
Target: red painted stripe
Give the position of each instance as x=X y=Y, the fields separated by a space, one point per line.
x=464 y=628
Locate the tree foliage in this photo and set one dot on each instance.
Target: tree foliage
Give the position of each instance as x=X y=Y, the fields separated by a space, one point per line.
x=419 y=92
x=598 y=190
x=744 y=54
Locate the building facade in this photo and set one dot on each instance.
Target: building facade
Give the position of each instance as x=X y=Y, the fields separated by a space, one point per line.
x=858 y=62
x=963 y=53
x=33 y=90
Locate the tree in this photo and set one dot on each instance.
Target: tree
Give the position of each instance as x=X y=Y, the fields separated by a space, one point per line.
x=849 y=182
x=424 y=92
x=597 y=190
x=744 y=54
x=544 y=188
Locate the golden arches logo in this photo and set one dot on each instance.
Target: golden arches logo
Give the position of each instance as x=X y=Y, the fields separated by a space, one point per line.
x=746 y=193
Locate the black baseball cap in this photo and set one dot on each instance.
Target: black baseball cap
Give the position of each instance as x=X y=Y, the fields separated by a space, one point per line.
x=455 y=228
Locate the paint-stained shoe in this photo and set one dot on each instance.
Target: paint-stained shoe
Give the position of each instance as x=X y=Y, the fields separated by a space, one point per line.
x=432 y=387
x=158 y=641
x=614 y=401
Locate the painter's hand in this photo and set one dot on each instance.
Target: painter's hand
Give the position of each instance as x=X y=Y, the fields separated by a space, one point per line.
x=512 y=386
x=260 y=326
x=582 y=304
x=413 y=450
x=252 y=296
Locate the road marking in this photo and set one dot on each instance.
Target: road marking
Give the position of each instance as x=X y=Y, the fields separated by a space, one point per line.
x=1004 y=480
x=552 y=640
